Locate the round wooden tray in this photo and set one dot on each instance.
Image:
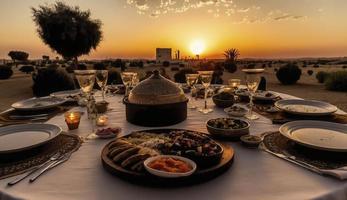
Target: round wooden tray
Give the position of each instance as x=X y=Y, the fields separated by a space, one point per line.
x=201 y=175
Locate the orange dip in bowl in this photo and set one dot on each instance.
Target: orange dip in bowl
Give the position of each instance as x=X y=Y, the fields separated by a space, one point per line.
x=169 y=164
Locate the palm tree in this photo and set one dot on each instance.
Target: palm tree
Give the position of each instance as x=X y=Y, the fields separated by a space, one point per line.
x=67 y=30
x=231 y=56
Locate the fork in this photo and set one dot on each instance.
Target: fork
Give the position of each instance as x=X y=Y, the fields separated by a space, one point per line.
x=51 y=159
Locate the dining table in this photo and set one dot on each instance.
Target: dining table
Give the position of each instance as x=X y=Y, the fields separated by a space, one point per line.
x=254 y=174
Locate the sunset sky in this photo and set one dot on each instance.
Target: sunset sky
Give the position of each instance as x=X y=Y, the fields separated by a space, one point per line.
x=134 y=28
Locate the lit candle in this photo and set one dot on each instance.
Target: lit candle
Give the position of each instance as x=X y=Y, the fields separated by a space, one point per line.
x=234 y=83
x=72 y=119
x=102 y=120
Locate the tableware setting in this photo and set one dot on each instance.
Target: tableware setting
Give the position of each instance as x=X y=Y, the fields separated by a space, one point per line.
x=223 y=99
x=41 y=103
x=236 y=110
x=69 y=95
x=306 y=107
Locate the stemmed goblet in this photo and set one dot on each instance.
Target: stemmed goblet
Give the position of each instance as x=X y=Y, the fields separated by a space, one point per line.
x=191 y=80
x=206 y=78
x=252 y=77
x=127 y=78
x=101 y=80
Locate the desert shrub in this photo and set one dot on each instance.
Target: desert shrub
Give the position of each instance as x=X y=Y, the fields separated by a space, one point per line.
x=315 y=66
x=275 y=69
x=304 y=66
x=321 y=76
x=263 y=66
x=310 y=72
x=181 y=65
x=70 y=69
x=337 y=81
x=27 y=69
x=230 y=66
x=269 y=65
x=48 y=80
x=99 y=66
x=344 y=67
x=288 y=74
x=180 y=77
x=114 y=77
x=175 y=69
x=166 y=64
x=5 y=72
x=217 y=77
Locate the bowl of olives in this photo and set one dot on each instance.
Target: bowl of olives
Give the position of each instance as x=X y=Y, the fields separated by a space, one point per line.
x=228 y=127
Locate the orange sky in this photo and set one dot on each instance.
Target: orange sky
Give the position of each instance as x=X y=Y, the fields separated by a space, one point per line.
x=134 y=28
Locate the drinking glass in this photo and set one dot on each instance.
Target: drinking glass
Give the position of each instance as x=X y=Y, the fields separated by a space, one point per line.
x=101 y=80
x=206 y=78
x=136 y=80
x=234 y=83
x=191 y=79
x=252 y=77
x=86 y=80
x=127 y=78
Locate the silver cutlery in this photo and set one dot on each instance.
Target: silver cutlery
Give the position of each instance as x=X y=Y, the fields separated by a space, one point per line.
x=50 y=166
x=51 y=159
x=28 y=116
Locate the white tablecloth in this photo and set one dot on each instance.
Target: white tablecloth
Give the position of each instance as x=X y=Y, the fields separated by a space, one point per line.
x=253 y=175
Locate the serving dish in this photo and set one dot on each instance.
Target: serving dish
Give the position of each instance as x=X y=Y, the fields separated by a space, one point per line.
x=227 y=127
x=155 y=102
x=306 y=107
x=223 y=99
x=41 y=103
x=252 y=141
x=320 y=135
x=169 y=166
x=265 y=95
x=124 y=156
x=17 y=138
x=236 y=110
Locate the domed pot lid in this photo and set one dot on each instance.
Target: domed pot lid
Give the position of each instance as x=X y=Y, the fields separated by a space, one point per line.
x=156 y=90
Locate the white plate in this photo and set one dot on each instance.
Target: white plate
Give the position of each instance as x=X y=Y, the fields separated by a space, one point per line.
x=25 y=136
x=169 y=174
x=306 y=107
x=261 y=95
x=38 y=103
x=321 y=135
x=66 y=93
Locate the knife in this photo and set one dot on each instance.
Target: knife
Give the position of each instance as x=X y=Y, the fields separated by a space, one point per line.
x=27 y=116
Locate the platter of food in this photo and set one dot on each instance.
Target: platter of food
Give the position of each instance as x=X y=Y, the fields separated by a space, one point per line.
x=69 y=95
x=306 y=107
x=265 y=95
x=125 y=156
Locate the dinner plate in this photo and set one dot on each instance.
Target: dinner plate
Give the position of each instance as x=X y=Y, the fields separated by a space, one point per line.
x=25 y=136
x=38 y=103
x=66 y=93
x=261 y=95
x=306 y=107
x=320 y=135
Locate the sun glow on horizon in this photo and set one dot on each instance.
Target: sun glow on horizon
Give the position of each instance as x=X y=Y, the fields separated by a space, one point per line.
x=197 y=46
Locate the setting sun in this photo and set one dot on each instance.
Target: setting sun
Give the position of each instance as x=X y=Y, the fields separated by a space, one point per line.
x=197 y=47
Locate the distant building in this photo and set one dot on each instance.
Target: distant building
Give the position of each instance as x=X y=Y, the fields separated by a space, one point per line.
x=163 y=54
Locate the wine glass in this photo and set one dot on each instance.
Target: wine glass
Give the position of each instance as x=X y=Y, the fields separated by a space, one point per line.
x=206 y=78
x=86 y=80
x=101 y=80
x=135 y=80
x=127 y=78
x=252 y=82
x=191 y=79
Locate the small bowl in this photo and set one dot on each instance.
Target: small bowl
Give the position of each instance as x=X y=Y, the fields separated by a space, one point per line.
x=252 y=141
x=222 y=103
x=228 y=133
x=101 y=106
x=169 y=174
x=233 y=113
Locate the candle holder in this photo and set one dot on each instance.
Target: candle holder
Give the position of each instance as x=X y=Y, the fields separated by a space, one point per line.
x=102 y=120
x=234 y=83
x=72 y=119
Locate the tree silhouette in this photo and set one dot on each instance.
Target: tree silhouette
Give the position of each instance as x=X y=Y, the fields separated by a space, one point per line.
x=67 y=30
x=231 y=56
x=18 y=56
